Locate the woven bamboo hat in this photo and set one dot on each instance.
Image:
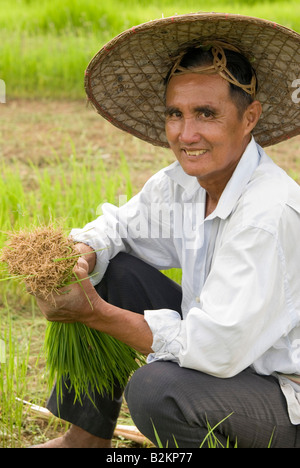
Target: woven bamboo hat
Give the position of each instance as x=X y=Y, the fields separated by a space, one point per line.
x=125 y=81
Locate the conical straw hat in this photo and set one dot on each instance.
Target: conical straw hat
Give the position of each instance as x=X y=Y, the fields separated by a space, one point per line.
x=125 y=79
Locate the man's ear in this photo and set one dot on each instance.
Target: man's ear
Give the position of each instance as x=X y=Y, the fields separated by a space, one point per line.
x=252 y=115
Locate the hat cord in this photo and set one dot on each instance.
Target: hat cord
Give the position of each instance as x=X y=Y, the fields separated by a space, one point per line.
x=218 y=66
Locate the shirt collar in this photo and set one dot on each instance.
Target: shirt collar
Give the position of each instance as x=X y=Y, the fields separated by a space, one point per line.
x=234 y=188
x=189 y=183
x=238 y=181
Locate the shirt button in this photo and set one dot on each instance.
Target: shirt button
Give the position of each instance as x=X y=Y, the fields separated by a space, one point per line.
x=198 y=299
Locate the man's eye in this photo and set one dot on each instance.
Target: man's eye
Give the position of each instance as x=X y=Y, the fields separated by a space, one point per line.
x=174 y=115
x=206 y=114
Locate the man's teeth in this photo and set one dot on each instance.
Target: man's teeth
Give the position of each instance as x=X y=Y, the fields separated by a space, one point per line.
x=195 y=153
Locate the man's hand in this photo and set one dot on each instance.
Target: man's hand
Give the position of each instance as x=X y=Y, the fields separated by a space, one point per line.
x=80 y=302
x=88 y=254
x=73 y=303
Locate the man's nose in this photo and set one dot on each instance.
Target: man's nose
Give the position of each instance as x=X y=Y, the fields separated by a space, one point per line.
x=189 y=132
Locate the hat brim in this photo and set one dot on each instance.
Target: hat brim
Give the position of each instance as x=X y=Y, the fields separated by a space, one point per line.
x=125 y=79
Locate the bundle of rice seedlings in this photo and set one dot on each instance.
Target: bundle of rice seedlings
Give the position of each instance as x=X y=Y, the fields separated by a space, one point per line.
x=89 y=360
x=44 y=258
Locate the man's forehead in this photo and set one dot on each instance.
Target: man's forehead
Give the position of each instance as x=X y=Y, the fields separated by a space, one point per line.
x=198 y=89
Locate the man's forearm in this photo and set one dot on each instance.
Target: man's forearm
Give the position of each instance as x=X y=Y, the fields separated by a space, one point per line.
x=129 y=327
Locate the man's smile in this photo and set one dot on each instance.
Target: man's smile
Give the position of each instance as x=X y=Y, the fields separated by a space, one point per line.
x=194 y=153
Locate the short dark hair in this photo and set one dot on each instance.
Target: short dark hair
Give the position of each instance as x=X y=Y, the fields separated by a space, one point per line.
x=237 y=65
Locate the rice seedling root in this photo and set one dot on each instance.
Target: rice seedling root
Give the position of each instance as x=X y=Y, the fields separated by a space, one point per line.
x=87 y=359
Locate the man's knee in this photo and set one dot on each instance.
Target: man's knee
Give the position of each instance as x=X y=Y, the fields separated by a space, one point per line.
x=155 y=396
x=171 y=399
x=143 y=400
x=120 y=267
x=119 y=283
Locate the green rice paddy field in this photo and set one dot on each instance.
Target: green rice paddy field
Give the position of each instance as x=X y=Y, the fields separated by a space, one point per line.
x=60 y=160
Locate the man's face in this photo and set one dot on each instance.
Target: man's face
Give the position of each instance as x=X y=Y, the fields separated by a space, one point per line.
x=203 y=127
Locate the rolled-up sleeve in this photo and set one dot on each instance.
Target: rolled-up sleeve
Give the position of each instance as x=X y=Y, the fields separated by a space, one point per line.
x=166 y=327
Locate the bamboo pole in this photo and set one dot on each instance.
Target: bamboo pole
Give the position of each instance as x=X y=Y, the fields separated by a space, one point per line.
x=126 y=431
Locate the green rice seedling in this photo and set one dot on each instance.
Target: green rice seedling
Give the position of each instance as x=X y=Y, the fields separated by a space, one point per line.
x=90 y=360
x=210 y=440
x=13 y=368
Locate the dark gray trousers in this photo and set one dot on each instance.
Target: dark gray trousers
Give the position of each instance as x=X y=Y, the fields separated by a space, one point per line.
x=180 y=403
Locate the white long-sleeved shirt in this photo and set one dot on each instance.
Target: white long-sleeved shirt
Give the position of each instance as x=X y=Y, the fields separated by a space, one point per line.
x=240 y=267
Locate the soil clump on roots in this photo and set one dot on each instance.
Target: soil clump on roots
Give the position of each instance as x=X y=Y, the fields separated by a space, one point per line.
x=44 y=258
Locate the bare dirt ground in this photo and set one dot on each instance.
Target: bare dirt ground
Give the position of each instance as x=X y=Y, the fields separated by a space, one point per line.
x=41 y=131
